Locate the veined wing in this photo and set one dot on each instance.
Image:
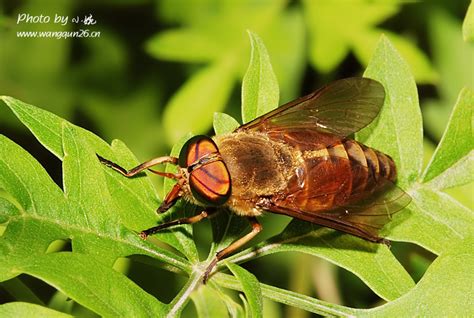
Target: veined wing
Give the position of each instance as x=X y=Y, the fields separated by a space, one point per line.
x=342 y=108
x=338 y=193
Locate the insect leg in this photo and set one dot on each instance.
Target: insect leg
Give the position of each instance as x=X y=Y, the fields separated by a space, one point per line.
x=170 y=198
x=146 y=165
x=190 y=220
x=256 y=228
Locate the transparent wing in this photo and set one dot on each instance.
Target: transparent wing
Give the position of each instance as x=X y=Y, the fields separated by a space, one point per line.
x=342 y=108
x=341 y=195
x=364 y=219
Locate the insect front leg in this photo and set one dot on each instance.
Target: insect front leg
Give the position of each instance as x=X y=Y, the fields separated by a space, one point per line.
x=256 y=228
x=170 y=198
x=143 y=166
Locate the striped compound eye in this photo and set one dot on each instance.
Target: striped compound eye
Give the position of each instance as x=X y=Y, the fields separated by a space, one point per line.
x=209 y=180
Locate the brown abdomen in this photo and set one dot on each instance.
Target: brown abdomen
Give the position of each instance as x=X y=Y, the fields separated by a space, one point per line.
x=378 y=164
x=337 y=176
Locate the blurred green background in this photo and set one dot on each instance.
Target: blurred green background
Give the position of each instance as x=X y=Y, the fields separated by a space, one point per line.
x=160 y=69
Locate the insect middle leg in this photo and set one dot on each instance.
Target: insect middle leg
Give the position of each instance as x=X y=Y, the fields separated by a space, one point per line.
x=256 y=228
x=189 y=220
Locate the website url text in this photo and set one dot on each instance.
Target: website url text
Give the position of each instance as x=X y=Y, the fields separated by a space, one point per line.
x=59 y=34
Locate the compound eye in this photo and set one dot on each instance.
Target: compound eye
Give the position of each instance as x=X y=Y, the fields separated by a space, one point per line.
x=210 y=182
x=194 y=149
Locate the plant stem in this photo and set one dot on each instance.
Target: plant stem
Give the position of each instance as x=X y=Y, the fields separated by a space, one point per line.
x=290 y=298
x=180 y=301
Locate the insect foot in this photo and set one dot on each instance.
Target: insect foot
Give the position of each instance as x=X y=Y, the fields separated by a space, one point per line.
x=209 y=269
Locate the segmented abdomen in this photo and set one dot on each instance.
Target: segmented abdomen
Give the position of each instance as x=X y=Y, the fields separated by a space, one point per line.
x=377 y=163
x=337 y=176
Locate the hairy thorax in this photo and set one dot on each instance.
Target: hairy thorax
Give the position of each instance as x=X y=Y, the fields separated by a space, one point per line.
x=258 y=167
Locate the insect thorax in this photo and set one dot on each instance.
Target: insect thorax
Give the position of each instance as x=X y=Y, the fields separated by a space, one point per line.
x=258 y=167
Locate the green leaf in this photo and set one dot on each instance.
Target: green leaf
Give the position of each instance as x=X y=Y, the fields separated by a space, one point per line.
x=135 y=197
x=28 y=184
x=181 y=12
x=61 y=302
x=433 y=219
x=226 y=228
x=398 y=130
x=7 y=208
x=468 y=25
x=175 y=307
x=271 y=309
x=444 y=291
x=47 y=127
x=85 y=279
x=192 y=108
x=260 y=91
x=419 y=63
x=99 y=209
x=328 y=49
x=330 y=42
x=233 y=308
x=46 y=216
x=84 y=183
x=143 y=131
x=224 y=124
x=86 y=189
x=251 y=288
x=283 y=29
x=138 y=202
x=285 y=40
x=208 y=302
x=460 y=173
x=290 y=298
x=373 y=263
x=20 y=291
x=428 y=220
x=184 y=45
x=454 y=146
x=444 y=31
x=21 y=309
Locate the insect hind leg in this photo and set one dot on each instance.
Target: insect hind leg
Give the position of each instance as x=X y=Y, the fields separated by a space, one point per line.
x=256 y=228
